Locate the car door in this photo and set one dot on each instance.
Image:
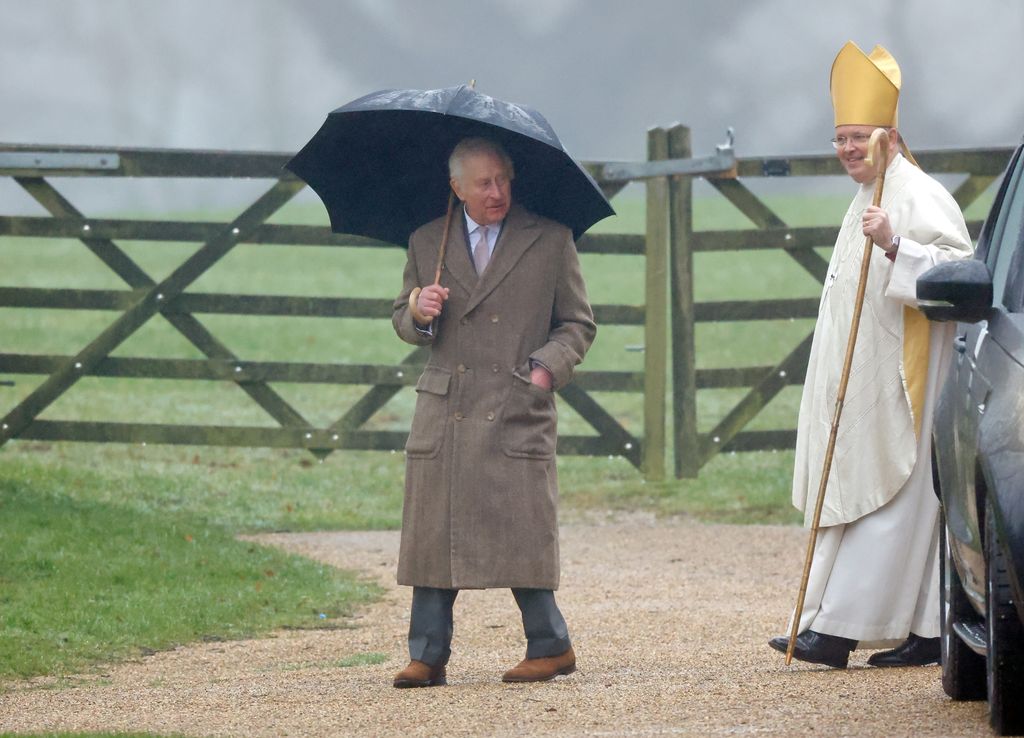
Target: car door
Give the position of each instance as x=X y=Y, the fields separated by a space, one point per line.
x=978 y=355
x=1001 y=424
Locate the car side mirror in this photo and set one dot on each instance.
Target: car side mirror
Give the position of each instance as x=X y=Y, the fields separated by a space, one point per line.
x=956 y=291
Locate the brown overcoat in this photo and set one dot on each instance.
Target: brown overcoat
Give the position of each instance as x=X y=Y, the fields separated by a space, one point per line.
x=481 y=490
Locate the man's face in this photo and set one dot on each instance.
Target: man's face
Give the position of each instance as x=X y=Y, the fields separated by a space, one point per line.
x=485 y=187
x=853 y=153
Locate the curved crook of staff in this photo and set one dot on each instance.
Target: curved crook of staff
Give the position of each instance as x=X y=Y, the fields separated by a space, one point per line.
x=878 y=152
x=414 y=295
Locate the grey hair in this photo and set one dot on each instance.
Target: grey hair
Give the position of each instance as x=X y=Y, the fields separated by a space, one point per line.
x=469 y=146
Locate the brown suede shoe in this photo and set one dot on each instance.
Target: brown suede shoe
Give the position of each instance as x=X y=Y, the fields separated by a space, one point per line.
x=543 y=669
x=418 y=674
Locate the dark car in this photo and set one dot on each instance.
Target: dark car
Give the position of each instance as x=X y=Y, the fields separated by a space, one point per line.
x=978 y=455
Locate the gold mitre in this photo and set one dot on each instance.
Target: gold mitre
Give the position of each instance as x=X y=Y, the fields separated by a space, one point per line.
x=865 y=87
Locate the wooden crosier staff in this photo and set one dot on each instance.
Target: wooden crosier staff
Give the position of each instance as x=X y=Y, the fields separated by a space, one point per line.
x=414 y=295
x=878 y=153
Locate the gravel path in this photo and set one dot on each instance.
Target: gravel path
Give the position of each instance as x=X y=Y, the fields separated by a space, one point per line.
x=669 y=621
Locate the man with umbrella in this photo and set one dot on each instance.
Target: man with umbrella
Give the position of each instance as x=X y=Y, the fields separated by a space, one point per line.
x=502 y=306
x=505 y=330
x=874 y=572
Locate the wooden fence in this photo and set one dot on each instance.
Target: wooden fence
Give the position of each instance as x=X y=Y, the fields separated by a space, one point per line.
x=34 y=168
x=669 y=313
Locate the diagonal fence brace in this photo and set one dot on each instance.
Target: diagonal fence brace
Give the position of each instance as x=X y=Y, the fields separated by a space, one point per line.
x=755 y=400
x=147 y=306
x=188 y=325
x=603 y=422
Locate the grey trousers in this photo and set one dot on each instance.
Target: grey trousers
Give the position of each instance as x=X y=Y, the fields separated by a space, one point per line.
x=431 y=624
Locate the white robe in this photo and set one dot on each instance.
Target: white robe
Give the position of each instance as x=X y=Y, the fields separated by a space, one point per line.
x=875 y=572
x=876 y=580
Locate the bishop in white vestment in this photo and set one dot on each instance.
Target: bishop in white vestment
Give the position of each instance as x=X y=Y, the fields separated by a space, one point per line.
x=874 y=576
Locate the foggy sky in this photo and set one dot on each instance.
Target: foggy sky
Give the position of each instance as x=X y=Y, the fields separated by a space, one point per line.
x=262 y=74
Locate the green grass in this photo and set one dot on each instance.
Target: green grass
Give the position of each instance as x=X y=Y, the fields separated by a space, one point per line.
x=732 y=488
x=361 y=659
x=85 y=578
x=242 y=490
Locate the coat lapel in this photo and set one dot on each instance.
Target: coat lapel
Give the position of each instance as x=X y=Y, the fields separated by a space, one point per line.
x=519 y=232
x=456 y=257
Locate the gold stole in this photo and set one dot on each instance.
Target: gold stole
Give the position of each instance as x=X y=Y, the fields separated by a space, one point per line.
x=916 y=342
x=916 y=336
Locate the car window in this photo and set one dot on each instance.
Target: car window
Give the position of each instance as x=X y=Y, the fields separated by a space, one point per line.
x=996 y=218
x=1006 y=234
x=1013 y=296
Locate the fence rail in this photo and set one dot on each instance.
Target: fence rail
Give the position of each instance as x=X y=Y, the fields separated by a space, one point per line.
x=669 y=314
x=34 y=168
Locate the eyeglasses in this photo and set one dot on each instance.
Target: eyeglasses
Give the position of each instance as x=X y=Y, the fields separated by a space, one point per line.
x=858 y=139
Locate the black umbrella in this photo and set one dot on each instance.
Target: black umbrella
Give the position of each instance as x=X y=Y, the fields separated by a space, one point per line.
x=380 y=163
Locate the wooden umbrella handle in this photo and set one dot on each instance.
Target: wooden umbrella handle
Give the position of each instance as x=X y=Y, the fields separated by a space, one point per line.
x=415 y=294
x=414 y=308
x=878 y=152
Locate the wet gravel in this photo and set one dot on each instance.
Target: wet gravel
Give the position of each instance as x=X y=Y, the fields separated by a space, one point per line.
x=669 y=621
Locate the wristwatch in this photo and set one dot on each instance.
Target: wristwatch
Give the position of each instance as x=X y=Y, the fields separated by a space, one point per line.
x=895 y=243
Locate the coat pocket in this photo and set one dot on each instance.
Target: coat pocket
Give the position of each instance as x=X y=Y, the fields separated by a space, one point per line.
x=431 y=414
x=529 y=422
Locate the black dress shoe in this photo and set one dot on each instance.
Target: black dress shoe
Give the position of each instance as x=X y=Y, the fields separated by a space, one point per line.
x=817 y=648
x=915 y=651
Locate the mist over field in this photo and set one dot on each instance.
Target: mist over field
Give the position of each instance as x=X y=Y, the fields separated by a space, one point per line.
x=262 y=74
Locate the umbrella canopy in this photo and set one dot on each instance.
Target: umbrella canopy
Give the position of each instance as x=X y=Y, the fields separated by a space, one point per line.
x=380 y=163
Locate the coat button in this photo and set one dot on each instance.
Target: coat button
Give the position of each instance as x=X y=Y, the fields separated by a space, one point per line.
x=464 y=321
x=461 y=368
x=490 y=416
x=495 y=368
x=459 y=416
x=494 y=318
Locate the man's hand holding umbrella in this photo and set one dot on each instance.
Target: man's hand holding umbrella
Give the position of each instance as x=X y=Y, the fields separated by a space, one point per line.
x=429 y=302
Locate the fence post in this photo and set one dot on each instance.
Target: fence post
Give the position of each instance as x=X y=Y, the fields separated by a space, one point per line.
x=655 y=313
x=684 y=358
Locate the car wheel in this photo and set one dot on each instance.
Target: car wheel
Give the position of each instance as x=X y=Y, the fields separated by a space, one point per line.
x=1005 y=637
x=963 y=671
